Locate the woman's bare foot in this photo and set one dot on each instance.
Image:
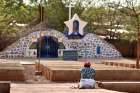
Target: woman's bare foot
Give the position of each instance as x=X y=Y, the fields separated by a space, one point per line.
x=74 y=87
x=99 y=84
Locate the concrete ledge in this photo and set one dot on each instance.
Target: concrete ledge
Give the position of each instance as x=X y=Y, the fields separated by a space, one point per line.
x=119 y=64
x=117 y=75
x=54 y=88
x=131 y=87
x=70 y=71
x=60 y=74
x=11 y=72
x=102 y=75
x=64 y=75
x=4 y=87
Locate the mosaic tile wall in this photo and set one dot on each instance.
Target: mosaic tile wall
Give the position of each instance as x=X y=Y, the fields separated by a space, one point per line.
x=87 y=47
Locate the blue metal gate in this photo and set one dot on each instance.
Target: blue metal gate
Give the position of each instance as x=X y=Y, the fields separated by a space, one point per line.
x=49 y=47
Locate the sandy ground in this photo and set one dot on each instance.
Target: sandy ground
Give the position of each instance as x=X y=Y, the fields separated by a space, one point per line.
x=53 y=88
x=32 y=78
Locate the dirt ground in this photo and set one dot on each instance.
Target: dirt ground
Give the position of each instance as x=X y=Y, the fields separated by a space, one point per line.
x=32 y=78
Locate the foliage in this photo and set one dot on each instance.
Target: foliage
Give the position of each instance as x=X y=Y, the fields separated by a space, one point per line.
x=56 y=14
x=101 y=15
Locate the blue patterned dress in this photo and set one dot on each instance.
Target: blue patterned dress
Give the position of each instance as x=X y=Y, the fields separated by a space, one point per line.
x=87 y=78
x=87 y=73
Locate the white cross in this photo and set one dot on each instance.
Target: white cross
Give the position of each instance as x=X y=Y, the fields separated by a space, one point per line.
x=70 y=6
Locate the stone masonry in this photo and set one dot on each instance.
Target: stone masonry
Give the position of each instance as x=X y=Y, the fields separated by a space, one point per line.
x=87 y=46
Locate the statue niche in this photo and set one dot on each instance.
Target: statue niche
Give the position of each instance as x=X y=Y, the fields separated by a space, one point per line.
x=75 y=28
x=75 y=34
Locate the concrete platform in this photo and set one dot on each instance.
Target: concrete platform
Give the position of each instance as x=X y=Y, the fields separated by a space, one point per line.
x=121 y=63
x=11 y=72
x=69 y=71
x=53 y=88
x=131 y=87
x=4 y=87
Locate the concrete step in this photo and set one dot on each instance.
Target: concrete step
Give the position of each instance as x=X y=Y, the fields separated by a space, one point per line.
x=4 y=86
x=53 y=88
x=59 y=71
x=125 y=86
x=128 y=65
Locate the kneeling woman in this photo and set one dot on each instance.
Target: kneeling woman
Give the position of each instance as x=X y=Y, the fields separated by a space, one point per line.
x=87 y=76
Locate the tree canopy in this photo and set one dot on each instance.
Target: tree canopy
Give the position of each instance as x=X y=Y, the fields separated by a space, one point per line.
x=101 y=16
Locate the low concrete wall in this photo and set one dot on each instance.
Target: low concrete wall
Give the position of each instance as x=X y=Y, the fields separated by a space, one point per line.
x=64 y=75
x=55 y=74
x=11 y=72
x=118 y=75
x=131 y=87
x=11 y=75
x=129 y=65
x=4 y=87
x=102 y=75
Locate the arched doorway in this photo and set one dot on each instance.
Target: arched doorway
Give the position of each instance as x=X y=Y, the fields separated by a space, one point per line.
x=49 y=47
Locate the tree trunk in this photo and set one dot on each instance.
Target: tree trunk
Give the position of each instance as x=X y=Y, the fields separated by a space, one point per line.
x=41 y=12
x=138 y=43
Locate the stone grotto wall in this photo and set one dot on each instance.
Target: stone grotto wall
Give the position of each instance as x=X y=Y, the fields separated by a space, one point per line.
x=87 y=46
x=21 y=47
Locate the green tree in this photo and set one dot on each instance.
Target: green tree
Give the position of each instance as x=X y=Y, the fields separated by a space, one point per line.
x=57 y=13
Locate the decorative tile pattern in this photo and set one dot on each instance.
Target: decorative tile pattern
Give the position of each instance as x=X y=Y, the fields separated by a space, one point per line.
x=87 y=46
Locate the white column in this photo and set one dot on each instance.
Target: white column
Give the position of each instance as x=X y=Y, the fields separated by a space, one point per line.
x=70 y=10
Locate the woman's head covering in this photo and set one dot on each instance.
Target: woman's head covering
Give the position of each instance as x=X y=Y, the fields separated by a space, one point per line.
x=87 y=64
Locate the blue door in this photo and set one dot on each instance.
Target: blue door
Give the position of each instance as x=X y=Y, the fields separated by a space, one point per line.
x=49 y=47
x=98 y=50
